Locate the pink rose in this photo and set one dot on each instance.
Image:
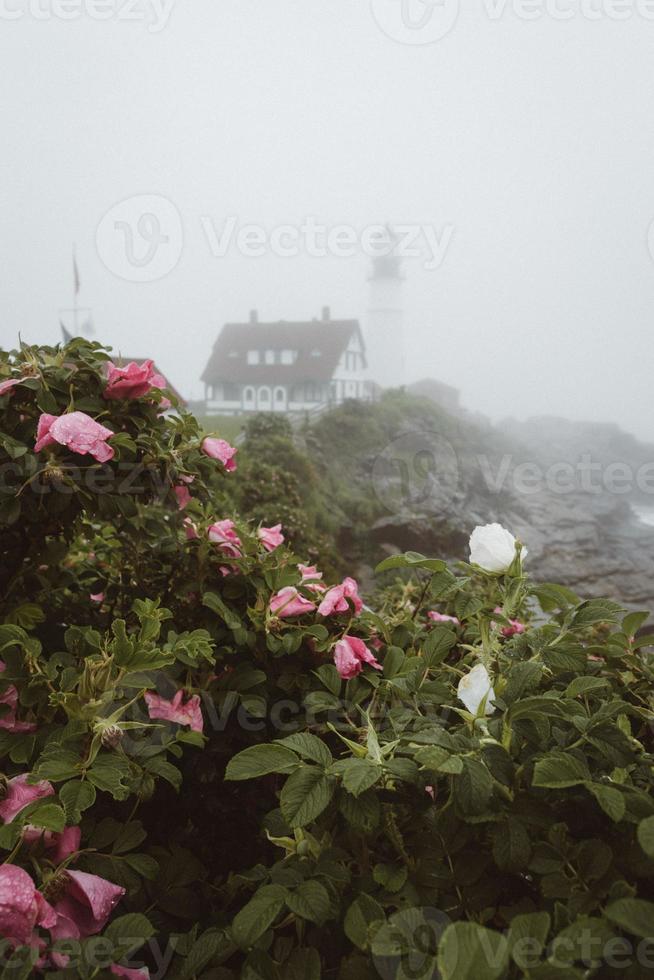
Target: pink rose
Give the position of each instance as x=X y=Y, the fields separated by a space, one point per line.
x=514 y=627
x=336 y=599
x=76 y=430
x=271 y=537
x=437 y=617
x=220 y=450
x=311 y=578
x=8 y=720
x=9 y=385
x=189 y=713
x=132 y=381
x=190 y=530
x=20 y=793
x=223 y=534
x=22 y=907
x=58 y=845
x=85 y=907
x=183 y=496
x=96 y=596
x=350 y=654
x=288 y=602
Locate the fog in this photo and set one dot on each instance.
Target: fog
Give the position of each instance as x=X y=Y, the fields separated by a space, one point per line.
x=520 y=145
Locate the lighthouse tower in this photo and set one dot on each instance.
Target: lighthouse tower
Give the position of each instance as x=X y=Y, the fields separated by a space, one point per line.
x=385 y=323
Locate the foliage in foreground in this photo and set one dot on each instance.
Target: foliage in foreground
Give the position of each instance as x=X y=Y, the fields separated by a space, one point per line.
x=192 y=787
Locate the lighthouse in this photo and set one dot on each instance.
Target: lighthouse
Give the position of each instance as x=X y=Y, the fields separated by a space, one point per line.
x=385 y=322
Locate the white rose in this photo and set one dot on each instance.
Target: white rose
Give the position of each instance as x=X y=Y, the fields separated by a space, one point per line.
x=492 y=547
x=474 y=687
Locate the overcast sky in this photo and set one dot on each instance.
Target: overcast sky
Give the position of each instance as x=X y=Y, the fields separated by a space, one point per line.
x=526 y=146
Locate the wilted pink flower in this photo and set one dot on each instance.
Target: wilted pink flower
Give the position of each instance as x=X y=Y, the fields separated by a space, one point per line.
x=223 y=534
x=335 y=600
x=190 y=530
x=350 y=654
x=8 y=719
x=85 y=907
x=189 y=713
x=76 y=430
x=271 y=537
x=132 y=381
x=288 y=602
x=311 y=578
x=183 y=496
x=9 y=385
x=97 y=597
x=132 y=974
x=437 y=617
x=58 y=845
x=220 y=450
x=20 y=793
x=514 y=627
x=22 y=907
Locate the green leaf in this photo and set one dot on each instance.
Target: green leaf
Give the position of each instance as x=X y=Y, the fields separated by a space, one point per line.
x=363 y=919
x=303 y=964
x=634 y=915
x=202 y=951
x=474 y=787
x=48 y=816
x=359 y=775
x=527 y=937
x=305 y=795
x=108 y=772
x=76 y=796
x=468 y=951
x=128 y=933
x=438 y=644
x=438 y=759
x=646 y=835
x=216 y=605
x=411 y=559
x=558 y=771
x=258 y=915
x=595 y=611
x=310 y=900
x=261 y=760
x=309 y=747
x=511 y=846
x=611 y=800
x=585 y=685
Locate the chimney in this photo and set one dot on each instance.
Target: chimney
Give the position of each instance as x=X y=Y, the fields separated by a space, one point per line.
x=254 y=316
x=326 y=314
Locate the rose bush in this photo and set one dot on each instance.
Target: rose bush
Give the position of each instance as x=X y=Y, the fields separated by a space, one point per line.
x=219 y=764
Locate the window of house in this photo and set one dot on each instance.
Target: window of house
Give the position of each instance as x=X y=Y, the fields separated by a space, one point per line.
x=316 y=353
x=253 y=357
x=249 y=394
x=233 y=353
x=269 y=357
x=279 y=394
x=230 y=392
x=288 y=356
x=264 y=395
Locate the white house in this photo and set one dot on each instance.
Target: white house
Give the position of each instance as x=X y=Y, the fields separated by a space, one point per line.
x=286 y=367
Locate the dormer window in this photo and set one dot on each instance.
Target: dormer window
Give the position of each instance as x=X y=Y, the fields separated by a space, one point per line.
x=288 y=356
x=253 y=357
x=269 y=356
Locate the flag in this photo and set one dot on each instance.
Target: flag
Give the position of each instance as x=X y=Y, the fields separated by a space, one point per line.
x=75 y=274
x=67 y=336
